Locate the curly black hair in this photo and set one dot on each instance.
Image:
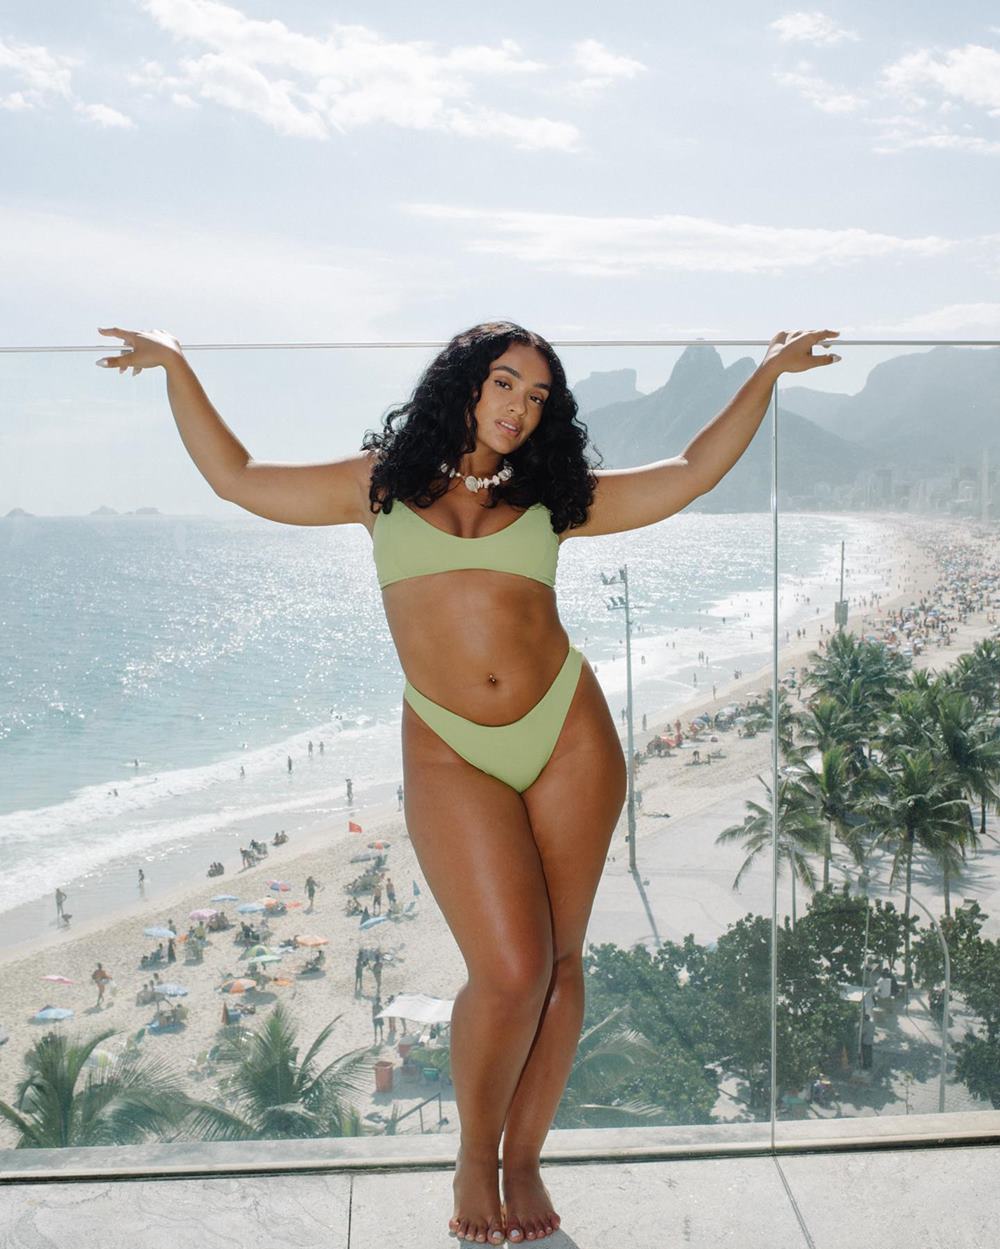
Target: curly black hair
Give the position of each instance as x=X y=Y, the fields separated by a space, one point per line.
x=550 y=467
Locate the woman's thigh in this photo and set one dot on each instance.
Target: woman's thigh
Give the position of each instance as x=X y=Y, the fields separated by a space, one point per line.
x=474 y=843
x=573 y=808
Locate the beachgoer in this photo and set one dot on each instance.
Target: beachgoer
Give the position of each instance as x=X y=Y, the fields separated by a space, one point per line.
x=359 y=966
x=481 y=398
x=376 y=1021
x=399 y=797
x=390 y=890
x=101 y=978
x=377 y=898
x=60 y=899
x=289 y=763
x=350 y=790
x=142 y=878
x=171 y=951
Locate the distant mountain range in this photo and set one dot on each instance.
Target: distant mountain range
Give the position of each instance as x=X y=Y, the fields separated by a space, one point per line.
x=922 y=414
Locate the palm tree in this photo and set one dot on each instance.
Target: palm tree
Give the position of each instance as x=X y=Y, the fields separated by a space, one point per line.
x=869 y=667
x=275 y=1096
x=915 y=803
x=977 y=675
x=800 y=832
x=971 y=748
x=826 y=722
x=608 y=1055
x=62 y=1102
x=836 y=794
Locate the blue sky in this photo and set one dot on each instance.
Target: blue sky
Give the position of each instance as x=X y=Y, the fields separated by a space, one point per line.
x=264 y=172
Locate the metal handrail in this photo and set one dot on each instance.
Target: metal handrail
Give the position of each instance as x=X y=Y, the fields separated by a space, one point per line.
x=105 y=345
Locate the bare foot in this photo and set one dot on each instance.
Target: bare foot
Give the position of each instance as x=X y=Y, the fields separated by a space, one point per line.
x=528 y=1212
x=477 y=1199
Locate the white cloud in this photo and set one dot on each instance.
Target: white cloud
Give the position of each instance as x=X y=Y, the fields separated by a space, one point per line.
x=601 y=67
x=626 y=246
x=812 y=27
x=928 y=86
x=47 y=79
x=306 y=86
x=818 y=92
x=970 y=75
x=104 y=116
x=44 y=74
x=979 y=320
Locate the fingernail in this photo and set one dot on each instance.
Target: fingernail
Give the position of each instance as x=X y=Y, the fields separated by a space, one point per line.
x=104 y=362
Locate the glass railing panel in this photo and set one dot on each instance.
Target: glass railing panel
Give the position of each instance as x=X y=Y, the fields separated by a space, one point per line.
x=888 y=694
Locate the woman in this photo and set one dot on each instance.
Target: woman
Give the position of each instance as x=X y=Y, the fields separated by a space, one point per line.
x=514 y=777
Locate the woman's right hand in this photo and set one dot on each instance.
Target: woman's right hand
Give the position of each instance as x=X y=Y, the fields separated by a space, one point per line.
x=143 y=349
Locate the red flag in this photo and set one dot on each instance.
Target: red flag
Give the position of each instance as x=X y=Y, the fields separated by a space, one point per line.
x=352 y=827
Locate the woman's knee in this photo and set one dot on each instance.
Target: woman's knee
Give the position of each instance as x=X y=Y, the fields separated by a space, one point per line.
x=521 y=976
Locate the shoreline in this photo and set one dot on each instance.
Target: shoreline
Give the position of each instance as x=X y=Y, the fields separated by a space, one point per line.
x=322 y=833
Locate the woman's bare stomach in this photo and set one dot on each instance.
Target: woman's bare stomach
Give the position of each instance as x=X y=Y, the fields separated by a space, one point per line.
x=485 y=645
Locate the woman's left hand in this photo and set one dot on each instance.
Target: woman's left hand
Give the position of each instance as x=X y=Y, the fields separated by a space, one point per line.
x=792 y=353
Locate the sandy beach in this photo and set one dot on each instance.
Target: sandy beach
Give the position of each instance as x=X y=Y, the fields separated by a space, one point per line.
x=420 y=952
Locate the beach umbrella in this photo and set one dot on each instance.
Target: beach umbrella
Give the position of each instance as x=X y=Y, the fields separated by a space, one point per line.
x=271 y=903
x=266 y=958
x=203 y=913
x=159 y=932
x=224 y=897
x=309 y=940
x=245 y=907
x=375 y=919
x=242 y=985
x=170 y=990
x=281 y=885
x=254 y=951
x=54 y=1012
x=59 y=979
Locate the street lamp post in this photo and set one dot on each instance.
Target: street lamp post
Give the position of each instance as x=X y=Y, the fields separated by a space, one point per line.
x=864 y=881
x=620 y=602
x=944 y=1004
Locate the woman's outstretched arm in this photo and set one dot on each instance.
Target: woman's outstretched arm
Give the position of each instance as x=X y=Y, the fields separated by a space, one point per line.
x=333 y=493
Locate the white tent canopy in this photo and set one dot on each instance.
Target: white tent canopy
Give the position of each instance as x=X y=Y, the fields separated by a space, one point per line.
x=420 y=1007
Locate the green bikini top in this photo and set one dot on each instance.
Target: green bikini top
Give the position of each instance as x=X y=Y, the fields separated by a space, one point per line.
x=405 y=545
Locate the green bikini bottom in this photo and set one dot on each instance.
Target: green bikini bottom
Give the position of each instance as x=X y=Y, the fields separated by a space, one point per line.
x=513 y=753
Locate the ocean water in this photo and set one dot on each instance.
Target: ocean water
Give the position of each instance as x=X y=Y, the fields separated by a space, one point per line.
x=155 y=655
